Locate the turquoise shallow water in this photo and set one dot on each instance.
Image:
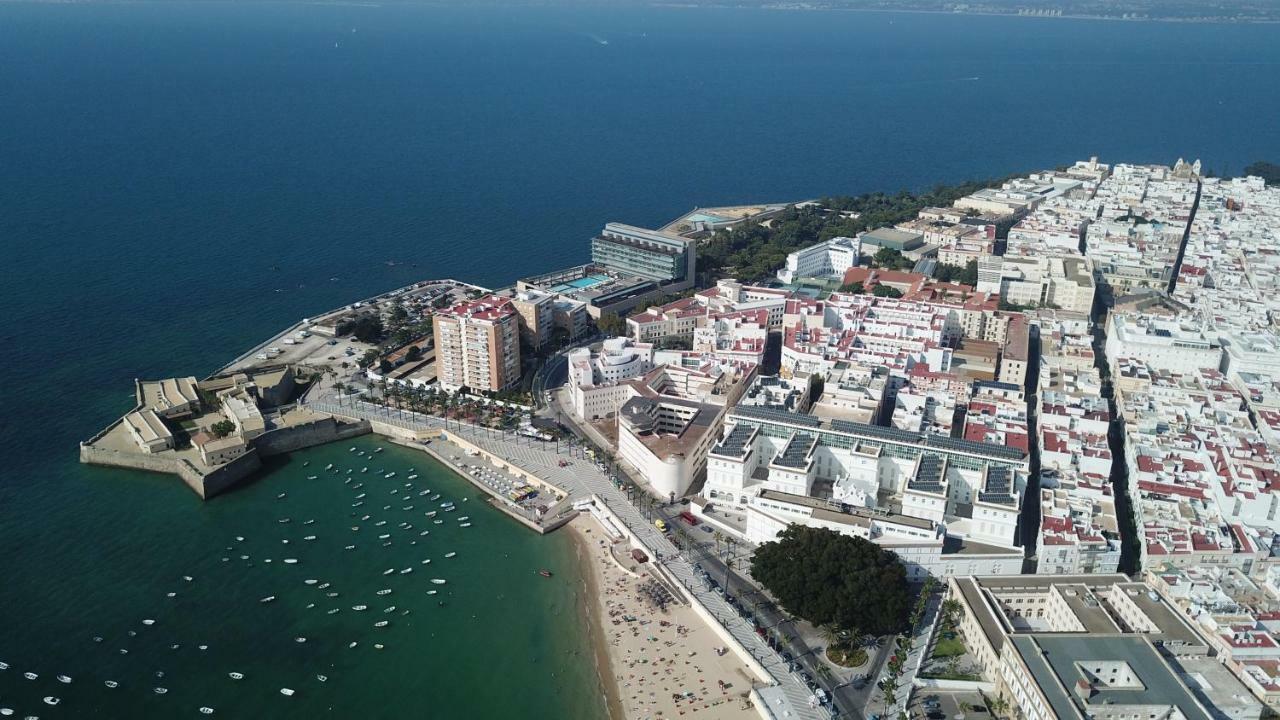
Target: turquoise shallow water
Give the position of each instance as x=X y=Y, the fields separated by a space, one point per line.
x=505 y=640
x=180 y=180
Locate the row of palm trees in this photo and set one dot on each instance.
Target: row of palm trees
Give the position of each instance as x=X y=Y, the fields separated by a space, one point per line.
x=433 y=401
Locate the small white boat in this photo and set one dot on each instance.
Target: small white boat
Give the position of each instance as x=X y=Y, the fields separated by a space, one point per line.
x=322 y=678
x=361 y=496
x=309 y=522
x=406 y=571
x=378 y=450
x=412 y=477
x=299 y=639
x=464 y=524
x=353 y=644
x=384 y=536
x=389 y=475
x=385 y=591
x=334 y=611
x=438 y=522
x=283 y=521
x=239 y=538
x=390 y=609
x=308 y=462
x=450 y=554
x=431 y=514
x=311 y=581
x=437 y=581
x=309 y=538
x=111 y=684
x=427 y=561
x=203 y=647
x=235 y=675
x=311 y=477
x=359 y=608
x=424 y=533
x=432 y=592
x=378 y=646
x=464 y=518
x=65 y=680
x=51 y=700
x=30 y=675
x=388 y=571
x=148 y=622
x=329 y=466
x=206 y=710
x=291 y=561
x=282 y=496
x=381 y=624
x=350 y=547
x=187 y=578
x=161 y=691
x=323 y=586
x=380 y=523
x=267 y=599
x=4 y=666
x=286 y=692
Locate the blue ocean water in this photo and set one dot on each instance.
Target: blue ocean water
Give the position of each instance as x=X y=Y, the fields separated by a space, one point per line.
x=178 y=180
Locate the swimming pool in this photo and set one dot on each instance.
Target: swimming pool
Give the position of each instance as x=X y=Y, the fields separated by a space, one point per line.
x=580 y=283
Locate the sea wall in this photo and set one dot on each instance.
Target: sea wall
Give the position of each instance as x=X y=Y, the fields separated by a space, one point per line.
x=206 y=485
x=210 y=482
x=318 y=432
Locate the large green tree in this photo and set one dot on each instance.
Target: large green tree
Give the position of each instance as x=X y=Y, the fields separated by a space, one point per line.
x=829 y=578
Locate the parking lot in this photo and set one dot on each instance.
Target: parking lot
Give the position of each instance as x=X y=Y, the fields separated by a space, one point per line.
x=943 y=705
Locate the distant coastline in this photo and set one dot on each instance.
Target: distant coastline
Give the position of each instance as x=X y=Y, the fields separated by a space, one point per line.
x=822 y=7
x=1270 y=16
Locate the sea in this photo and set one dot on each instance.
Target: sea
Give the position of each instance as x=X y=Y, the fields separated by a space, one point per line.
x=179 y=180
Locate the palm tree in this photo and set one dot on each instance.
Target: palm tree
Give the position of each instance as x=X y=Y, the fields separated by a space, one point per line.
x=728 y=566
x=999 y=706
x=832 y=635
x=889 y=692
x=719 y=539
x=951 y=609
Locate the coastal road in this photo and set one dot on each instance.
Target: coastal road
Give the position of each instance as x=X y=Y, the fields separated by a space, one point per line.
x=848 y=700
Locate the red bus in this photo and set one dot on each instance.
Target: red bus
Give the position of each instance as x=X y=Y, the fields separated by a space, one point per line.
x=688 y=517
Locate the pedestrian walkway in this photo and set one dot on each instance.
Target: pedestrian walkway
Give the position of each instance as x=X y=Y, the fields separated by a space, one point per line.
x=791 y=699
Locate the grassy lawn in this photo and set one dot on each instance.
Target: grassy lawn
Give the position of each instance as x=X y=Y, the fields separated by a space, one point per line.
x=847 y=657
x=947 y=647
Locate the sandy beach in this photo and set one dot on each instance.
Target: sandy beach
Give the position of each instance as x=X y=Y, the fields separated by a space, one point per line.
x=661 y=663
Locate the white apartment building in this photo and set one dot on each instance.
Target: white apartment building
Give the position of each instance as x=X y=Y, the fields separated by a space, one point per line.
x=1161 y=342
x=828 y=259
x=1063 y=282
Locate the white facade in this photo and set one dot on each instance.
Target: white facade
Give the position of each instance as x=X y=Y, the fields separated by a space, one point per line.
x=824 y=260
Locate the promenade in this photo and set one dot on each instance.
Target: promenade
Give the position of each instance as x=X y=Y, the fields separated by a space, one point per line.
x=788 y=697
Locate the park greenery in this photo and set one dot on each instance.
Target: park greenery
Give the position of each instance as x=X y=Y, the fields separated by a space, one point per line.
x=891 y=259
x=222 y=428
x=753 y=251
x=831 y=579
x=365 y=328
x=967 y=275
x=611 y=324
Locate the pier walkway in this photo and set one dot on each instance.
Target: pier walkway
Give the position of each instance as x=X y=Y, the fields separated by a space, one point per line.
x=788 y=698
